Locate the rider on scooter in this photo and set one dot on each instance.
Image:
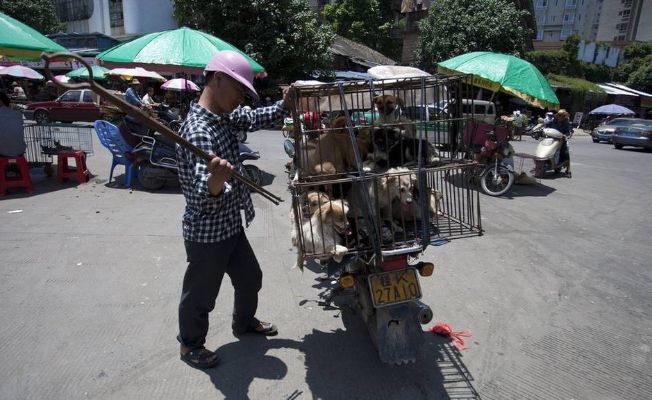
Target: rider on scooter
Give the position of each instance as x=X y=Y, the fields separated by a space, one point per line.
x=562 y=124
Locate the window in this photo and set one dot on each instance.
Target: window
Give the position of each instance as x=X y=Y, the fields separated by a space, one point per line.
x=541 y=19
x=571 y=3
x=565 y=33
x=622 y=27
x=542 y=3
x=73 y=10
x=569 y=18
x=116 y=13
x=70 y=97
x=539 y=33
x=88 y=97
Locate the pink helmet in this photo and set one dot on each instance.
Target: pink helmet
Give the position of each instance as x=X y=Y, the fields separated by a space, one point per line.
x=234 y=65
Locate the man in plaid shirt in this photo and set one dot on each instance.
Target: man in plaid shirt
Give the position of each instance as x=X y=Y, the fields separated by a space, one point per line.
x=212 y=223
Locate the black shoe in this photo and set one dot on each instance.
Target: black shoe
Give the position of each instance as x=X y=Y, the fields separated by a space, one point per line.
x=200 y=358
x=257 y=328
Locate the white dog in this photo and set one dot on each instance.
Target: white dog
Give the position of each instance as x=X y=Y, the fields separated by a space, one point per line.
x=322 y=234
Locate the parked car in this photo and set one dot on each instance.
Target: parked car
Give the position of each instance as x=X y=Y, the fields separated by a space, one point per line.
x=603 y=133
x=638 y=134
x=73 y=105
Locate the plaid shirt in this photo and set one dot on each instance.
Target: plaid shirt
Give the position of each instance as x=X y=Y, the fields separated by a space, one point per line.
x=209 y=218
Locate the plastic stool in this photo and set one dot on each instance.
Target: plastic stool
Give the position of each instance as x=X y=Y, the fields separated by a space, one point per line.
x=23 y=180
x=80 y=172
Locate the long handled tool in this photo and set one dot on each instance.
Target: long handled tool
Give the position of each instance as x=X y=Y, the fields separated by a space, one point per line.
x=144 y=118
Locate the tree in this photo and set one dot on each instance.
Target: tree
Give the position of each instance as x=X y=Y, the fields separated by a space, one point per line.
x=635 y=69
x=454 y=27
x=37 y=14
x=368 y=22
x=282 y=35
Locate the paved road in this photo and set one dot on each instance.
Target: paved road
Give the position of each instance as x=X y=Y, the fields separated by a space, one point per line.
x=556 y=295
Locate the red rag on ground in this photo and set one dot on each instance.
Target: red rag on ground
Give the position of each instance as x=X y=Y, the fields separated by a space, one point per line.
x=443 y=329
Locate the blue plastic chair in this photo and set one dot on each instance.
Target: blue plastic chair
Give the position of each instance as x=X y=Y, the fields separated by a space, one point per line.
x=111 y=138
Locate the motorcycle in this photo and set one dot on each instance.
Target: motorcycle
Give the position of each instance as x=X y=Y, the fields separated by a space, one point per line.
x=157 y=163
x=498 y=176
x=548 y=150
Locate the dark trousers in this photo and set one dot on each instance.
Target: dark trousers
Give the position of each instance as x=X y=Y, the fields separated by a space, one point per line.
x=207 y=263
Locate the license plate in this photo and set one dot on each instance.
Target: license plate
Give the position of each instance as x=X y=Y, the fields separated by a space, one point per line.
x=394 y=287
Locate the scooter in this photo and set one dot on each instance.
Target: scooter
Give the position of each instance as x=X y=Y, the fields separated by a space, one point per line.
x=497 y=177
x=548 y=150
x=157 y=163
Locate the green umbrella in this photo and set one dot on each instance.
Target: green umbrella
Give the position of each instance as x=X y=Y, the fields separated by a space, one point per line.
x=509 y=74
x=178 y=50
x=18 y=40
x=98 y=73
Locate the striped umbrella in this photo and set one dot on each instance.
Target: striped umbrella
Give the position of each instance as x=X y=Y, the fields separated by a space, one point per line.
x=180 y=85
x=18 y=71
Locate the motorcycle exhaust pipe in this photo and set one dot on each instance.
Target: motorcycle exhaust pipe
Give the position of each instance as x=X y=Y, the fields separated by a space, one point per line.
x=424 y=313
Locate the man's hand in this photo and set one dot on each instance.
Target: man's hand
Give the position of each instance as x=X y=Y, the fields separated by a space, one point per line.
x=219 y=171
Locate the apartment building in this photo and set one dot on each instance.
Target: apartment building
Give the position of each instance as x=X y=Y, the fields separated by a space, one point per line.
x=613 y=21
x=115 y=17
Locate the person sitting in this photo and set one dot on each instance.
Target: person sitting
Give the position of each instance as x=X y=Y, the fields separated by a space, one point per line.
x=562 y=124
x=148 y=99
x=18 y=92
x=12 y=140
x=550 y=117
x=131 y=95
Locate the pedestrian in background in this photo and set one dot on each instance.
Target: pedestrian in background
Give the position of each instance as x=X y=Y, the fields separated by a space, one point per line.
x=12 y=140
x=132 y=96
x=213 y=234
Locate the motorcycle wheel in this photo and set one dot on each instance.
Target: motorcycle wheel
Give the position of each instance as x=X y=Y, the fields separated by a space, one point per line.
x=254 y=174
x=149 y=178
x=496 y=185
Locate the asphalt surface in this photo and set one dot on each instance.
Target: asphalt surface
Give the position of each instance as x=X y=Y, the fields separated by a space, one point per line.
x=556 y=294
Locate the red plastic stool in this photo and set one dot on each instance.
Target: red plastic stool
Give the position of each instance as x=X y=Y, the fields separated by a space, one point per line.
x=23 y=180
x=80 y=172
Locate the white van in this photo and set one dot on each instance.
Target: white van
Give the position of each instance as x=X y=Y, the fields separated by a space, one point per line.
x=479 y=110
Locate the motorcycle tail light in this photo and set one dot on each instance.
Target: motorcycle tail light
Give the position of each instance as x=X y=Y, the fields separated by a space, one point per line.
x=426 y=268
x=394 y=263
x=347 y=281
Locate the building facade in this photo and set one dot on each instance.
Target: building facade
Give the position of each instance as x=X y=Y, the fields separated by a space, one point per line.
x=616 y=22
x=116 y=18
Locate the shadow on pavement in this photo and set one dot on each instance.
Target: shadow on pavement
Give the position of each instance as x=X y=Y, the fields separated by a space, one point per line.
x=538 y=190
x=245 y=360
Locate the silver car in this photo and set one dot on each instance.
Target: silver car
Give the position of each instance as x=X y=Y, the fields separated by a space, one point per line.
x=638 y=134
x=603 y=133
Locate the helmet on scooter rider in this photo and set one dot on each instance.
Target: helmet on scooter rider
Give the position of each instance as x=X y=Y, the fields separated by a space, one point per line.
x=234 y=65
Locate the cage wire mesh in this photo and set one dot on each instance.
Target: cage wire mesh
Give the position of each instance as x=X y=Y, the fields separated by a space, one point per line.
x=379 y=166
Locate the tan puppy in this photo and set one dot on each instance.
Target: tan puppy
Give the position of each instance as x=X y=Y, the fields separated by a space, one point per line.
x=322 y=234
x=388 y=114
x=313 y=200
x=363 y=141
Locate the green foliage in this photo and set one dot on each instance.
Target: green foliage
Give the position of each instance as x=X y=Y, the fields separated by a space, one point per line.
x=454 y=27
x=282 y=35
x=368 y=22
x=564 y=62
x=37 y=14
x=641 y=79
x=571 y=46
x=637 y=50
x=549 y=61
x=573 y=83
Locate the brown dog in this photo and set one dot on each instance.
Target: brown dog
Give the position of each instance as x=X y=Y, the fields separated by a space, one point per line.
x=388 y=107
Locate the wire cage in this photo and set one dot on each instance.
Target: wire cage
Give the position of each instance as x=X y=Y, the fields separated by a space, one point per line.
x=45 y=141
x=379 y=167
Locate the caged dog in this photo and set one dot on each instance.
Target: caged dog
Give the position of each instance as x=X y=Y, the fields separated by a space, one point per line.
x=390 y=149
x=385 y=192
x=389 y=113
x=332 y=152
x=312 y=201
x=412 y=212
x=323 y=232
